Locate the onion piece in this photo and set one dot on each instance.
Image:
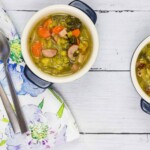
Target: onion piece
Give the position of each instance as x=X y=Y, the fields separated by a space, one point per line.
x=63 y=33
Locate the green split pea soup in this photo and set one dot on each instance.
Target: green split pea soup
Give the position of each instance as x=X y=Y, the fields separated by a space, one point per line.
x=60 y=45
x=143 y=69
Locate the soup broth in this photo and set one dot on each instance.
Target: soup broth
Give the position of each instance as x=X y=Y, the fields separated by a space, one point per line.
x=60 y=45
x=143 y=69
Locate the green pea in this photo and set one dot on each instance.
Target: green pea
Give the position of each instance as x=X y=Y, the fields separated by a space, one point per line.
x=63 y=53
x=69 y=34
x=49 y=44
x=60 y=68
x=66 y=60
x=45 y=62
x=59 y=61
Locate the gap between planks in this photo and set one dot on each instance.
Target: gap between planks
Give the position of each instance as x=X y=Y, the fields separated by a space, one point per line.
x=100 y=11
x=102 y=70
x=104 y=133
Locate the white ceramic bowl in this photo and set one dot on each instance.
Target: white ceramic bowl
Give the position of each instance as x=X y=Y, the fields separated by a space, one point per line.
x=53 y=10
x=133 y=70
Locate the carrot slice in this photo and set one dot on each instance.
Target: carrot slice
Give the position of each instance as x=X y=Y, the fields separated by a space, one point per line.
x=76 y=32
x=57 y=29
x=37 y=49
x=43 y=32
x=47 y=23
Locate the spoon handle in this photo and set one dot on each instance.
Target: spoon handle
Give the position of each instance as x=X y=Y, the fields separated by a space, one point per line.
x=20 y=116
x=10 y=113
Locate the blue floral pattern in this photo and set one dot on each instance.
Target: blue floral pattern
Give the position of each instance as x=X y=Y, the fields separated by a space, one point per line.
x=43 y=132
x=49 y=121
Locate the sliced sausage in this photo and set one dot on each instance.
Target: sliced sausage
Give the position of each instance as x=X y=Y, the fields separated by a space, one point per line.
x=71 y=51
x=49 y=52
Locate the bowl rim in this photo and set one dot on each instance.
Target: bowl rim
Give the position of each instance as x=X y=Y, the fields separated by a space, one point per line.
x=51 y=10
x=133 y=69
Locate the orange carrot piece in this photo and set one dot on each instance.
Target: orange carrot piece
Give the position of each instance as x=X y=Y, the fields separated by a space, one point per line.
x=47 y=23
x=57 y=29
x=76 y=32
x=37 y=49
x=43 y=32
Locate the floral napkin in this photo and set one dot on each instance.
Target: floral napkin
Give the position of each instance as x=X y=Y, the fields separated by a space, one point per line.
x=48 y=118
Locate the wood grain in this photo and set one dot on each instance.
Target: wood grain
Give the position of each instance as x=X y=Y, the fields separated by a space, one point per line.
x=96 y=4
x=105 y=102
x=109 y=142
x=119 y=35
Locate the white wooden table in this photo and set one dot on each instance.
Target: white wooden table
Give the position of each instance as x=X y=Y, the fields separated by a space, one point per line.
x=104 y=102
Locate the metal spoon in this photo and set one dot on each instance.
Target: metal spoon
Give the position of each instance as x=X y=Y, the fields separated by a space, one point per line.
x=4 y=56
x=10 y=113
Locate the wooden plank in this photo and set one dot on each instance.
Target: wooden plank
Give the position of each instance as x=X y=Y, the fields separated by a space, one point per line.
x=96 y=4
x=105 y=102
x=119 y=33
x=108 y=142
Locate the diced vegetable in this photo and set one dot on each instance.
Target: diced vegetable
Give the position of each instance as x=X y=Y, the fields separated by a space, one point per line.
x=63 y=43
x=47 y=23
x=141 y=73
x=83 y=47
x=46 y=44
x=60 y=45
x=37 y=49
x=63 y=53
x=69 y=34
x=73 y=23
x=63 y=33
x=49 y=52
x=73 y=40
x=81 y=58
x=76 y=32
x=141 y=65
x=45 y=62
x=57 y=29
x=43 y=32
x=75 y=67
x=66 y=60
x=55 y=37
x=53 y=24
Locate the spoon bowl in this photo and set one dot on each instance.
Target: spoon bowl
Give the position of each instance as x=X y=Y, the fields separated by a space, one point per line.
x=4 y=48
x=4 y=56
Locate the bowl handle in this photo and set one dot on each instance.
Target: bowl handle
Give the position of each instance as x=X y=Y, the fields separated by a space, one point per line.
x=145 y=106
x=85 y=8
x=35 y=79
x=40 y=82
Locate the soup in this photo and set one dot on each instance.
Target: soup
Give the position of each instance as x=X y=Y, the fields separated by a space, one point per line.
x=60 y=45
x=143 y=69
